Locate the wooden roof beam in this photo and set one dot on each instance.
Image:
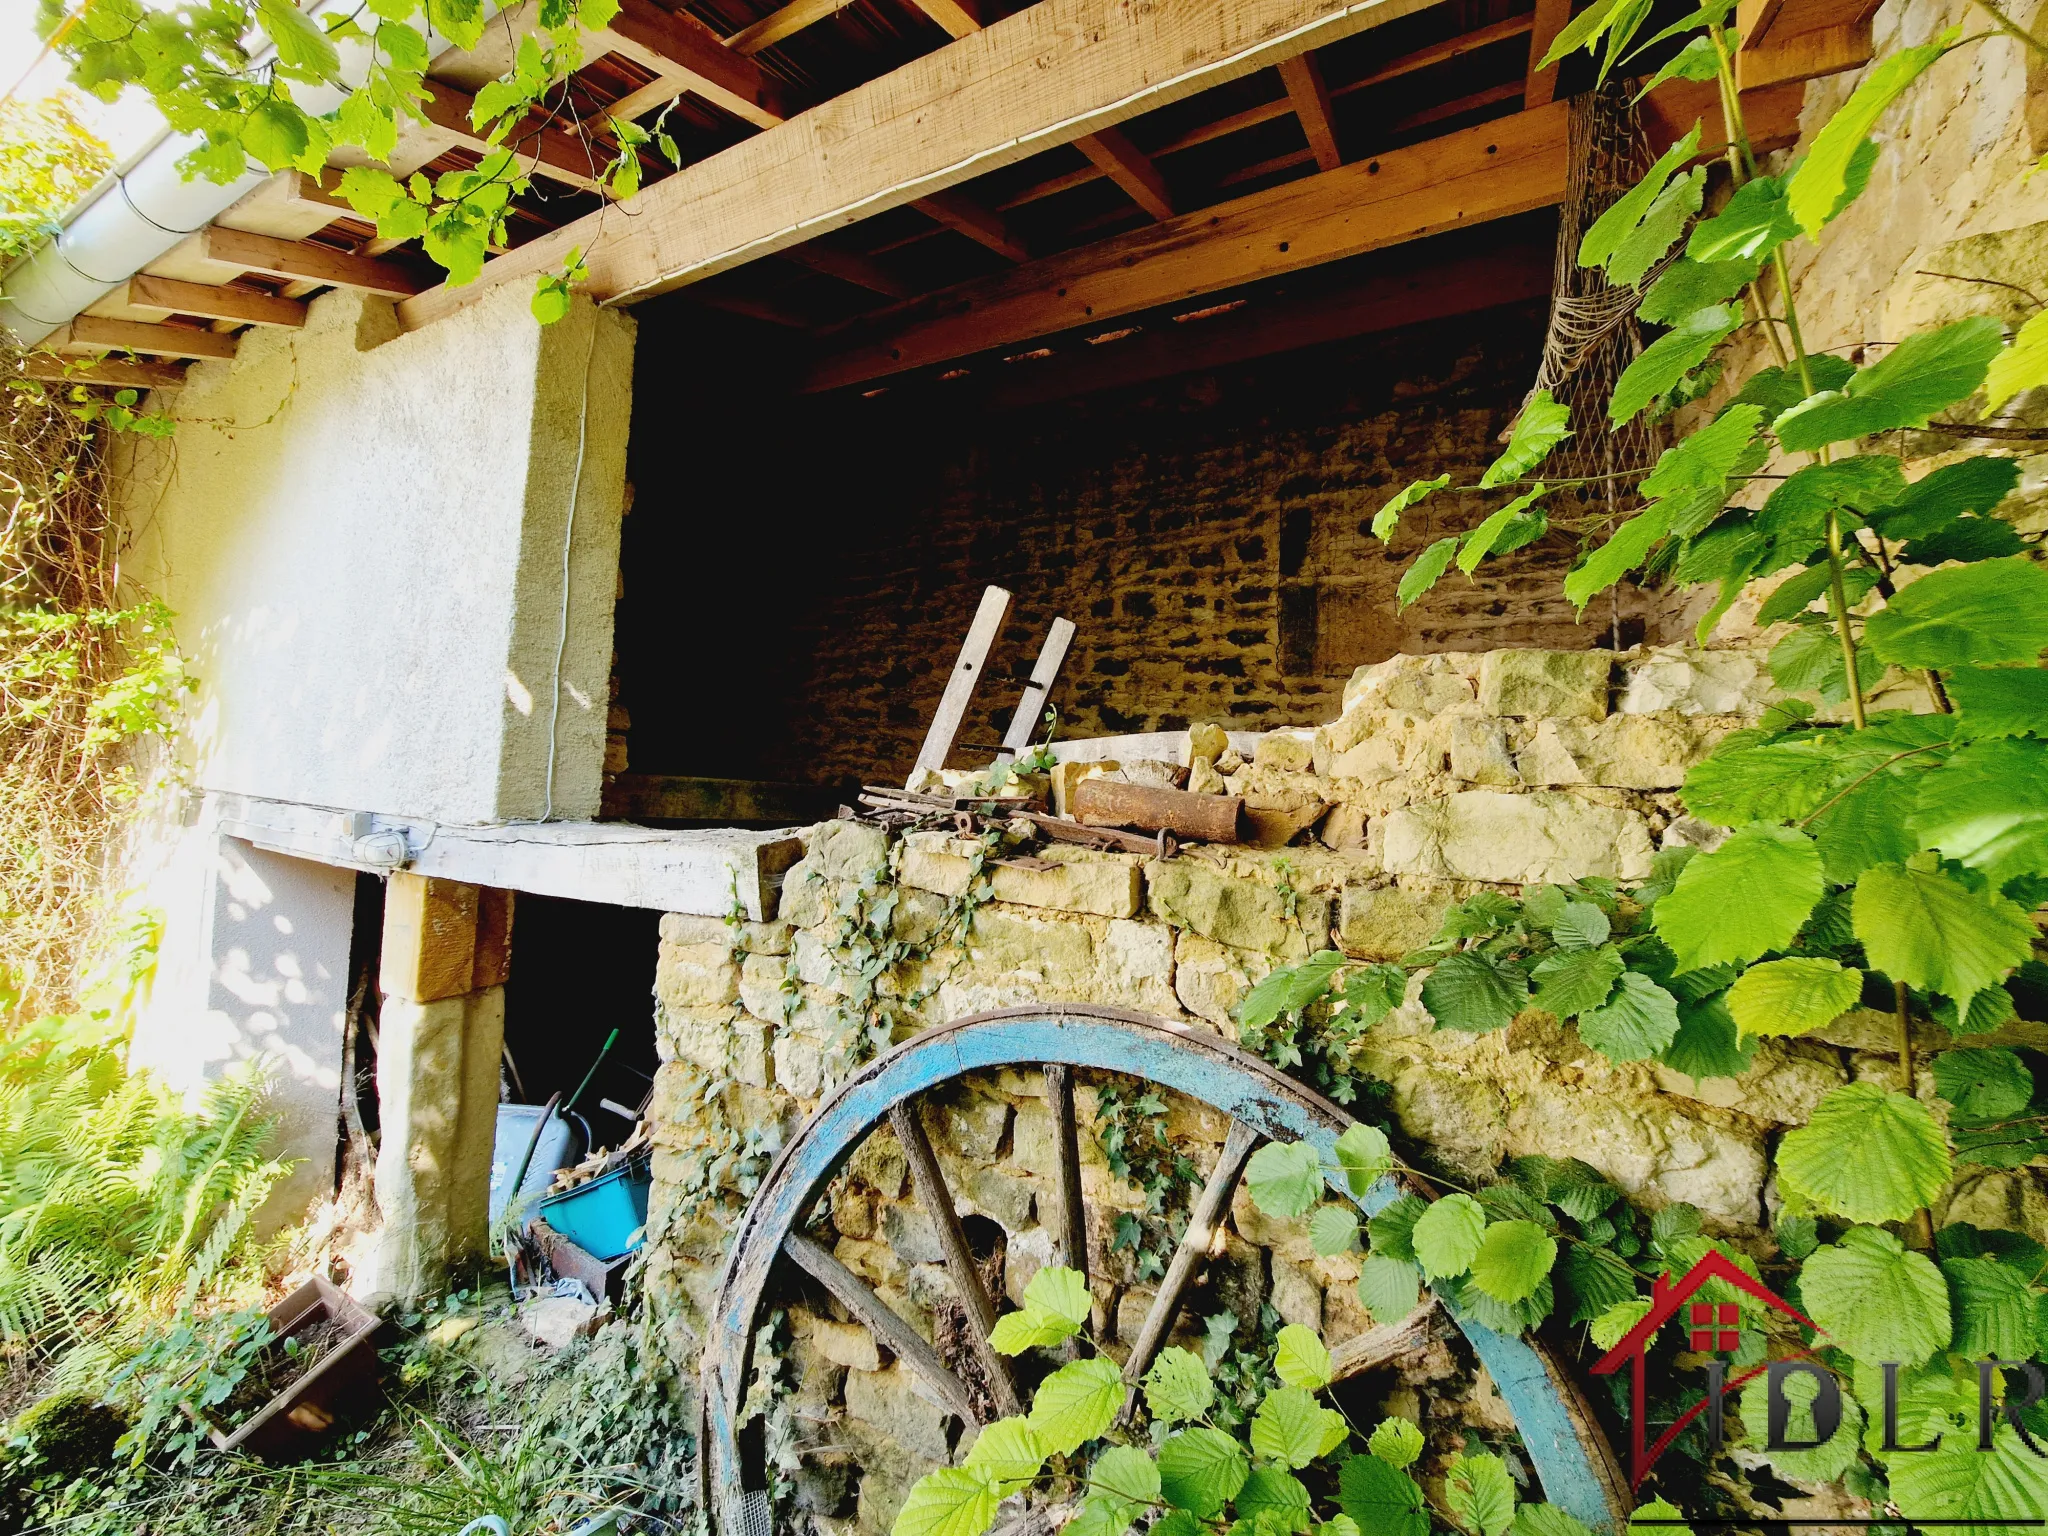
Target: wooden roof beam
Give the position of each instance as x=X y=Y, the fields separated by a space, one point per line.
x=52 y=369
x=96 y=333
x=675 y=43
x=560 y=156
x=1311 y=101
x=850 y=267
x=960 y=212
x=957 y=17
x=1113 y=154
x=781 y=25
x=312 y=263
x=1540 y=84
x=171 y=296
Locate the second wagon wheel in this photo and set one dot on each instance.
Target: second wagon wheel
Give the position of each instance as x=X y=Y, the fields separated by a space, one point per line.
x=1570 y=1456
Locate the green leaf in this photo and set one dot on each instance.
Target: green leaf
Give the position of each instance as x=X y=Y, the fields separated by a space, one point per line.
x=1606 y=233
x=1381 y=1498
x=275 y=132
x=1923 y=374
x=1988 y=809
x=1959 y=1482
x=301 y=44
x=1396 y=1441
x=1542 y=425
x=1868 y=1154
x=1178 y=1386
x=1824 y=1463
x=1201 y=1470
x=1638 y=1021
x=1481 y=1494
x=1388 y=517
x=953 y=1501
x=1288 y=1428
x=1393 y=1227
x=1278 y=1495
x=1423 y=574
x=1658 y=368
x=1996 y=611
x=1879 y=1301
x=1513 y=1259
x=1983 y=1084
x=1794 y=595
x=1935 y=500
x=1009 y=1452
x=1289 y=990
x=1481 y=540
x=1777 y=390
x=1300 y=1359
x=1076 y=1403
x=2022 y=365
x=1708 y=456
x=1333 y=1229
x=1748 y=896
x=1388 y=1288
x=1056 y=1306
x=1708 y=1043
x=1618 y=1321
x=1688 y=286
x=1373 y=992
x=1285 y=1178
x=1125 y=1475
x=1448 y=1235
x=1922 y=928
x=1029 y=1328
x=1569 y=982
x=1622 y=553
x=1779 y=781
x=1790 y=997
x=1365 y=1157
x=1753 y=224
x=1816 y=187
x=1471 y=992
x=1549 y=1520
x=1645 y=245
x=1695 y=61
x=1809 y=660
x=1582 y=925
x=1994 y=1310
x=1061 y=1291
x=1966 y=539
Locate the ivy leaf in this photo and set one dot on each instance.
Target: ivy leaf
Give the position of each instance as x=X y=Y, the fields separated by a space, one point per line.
x=1285 y=1178
x=1381 y=1498
x=1923 y=374
x=1790 y=997
x=1983 y=1084
x=1995 y=611
x=1365 y=1157
x=1814 y=193
x=1388 y=1288
x=1708 y=1044
x=1423 y=574
x=1868 y=1154
x=1448 y=1235
x=2022 y=365
x=1396 y=1441
x=1748 y=896
x=1471 y=992
x=1288 y=1428
x=1922 y=928
x=1623 y=551
x=1994 y=1310
x=1879 y=1301
x=1076 y=1403
x=1480 y=1493
x=1988 y=809
x=1201 y=1469
x=1542 y=425
x=1388 y=517
x=1569 y=982
x=1178 y=1386
x=1638 y=1021
x=1009 y=1452
x=1333 y=1230
x=1513 y=1259
x=1393 y=1227
x=1935 y=500
x=1300 y=1359
x=953 y=1501
x=1668 y=359
x=1753 y=224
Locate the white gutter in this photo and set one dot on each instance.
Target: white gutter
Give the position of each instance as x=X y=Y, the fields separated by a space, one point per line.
x=142 y=211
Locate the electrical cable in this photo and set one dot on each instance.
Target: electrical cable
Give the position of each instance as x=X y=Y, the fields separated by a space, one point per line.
x=568 y=544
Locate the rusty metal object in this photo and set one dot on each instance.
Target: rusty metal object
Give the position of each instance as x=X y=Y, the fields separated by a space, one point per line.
x=1204 y=818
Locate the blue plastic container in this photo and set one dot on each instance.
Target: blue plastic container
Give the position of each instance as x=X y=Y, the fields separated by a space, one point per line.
x=603 y=1217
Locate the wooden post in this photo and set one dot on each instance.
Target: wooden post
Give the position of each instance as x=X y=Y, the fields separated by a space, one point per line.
x=1044 y=672
x=981 y=639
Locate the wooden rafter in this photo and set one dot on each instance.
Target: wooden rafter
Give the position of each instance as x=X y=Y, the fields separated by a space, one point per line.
x=958 y=211
x=958 y=17
x=1113 y=154
x=850 y=267
x=553 y=153
x=170 y=296
x=781 y=25
x=1540 y=84
x=111 y=374
x=312 y=263
x=96 y=333
x=1311 y=101
x=675 y=43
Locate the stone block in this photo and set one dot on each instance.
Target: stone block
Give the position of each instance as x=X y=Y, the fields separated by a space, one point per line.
x=1005 y=1200
x=1782 y=1085
x=761 y=987
x=879 y=1163
x=1210 y=979
x=847 y=850
x=873 y=1260
x=971 y=1124
x=696 y=976
x=556 y=1322
x=1530 y=839
x=1385 y=922
x=1686 y=681
x=1421 y=685
x=807 y=896
x=1024 y=958
x=1028 y=1252
x=1134 y=967
x=1245 y=914
x=1566 y=684
x=895 y=1402
x=1297 y=1295
x=1236 y=1278
x=1102 y=884
x=1478 y=749
x=912 y=1234
x=1289 y=751
x=1344 y=827
x=721 y=1041
x=807 y=1053
x=1370 y=745
x=1651 y=1148
x=1461 y=1118
x=771 y=938
x=1624 y=751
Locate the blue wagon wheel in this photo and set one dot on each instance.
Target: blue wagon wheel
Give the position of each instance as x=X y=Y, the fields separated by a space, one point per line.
x=1571 y=1457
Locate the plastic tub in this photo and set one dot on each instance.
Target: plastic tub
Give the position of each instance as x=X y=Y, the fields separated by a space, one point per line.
x=561 y=1144
x=603 y=1217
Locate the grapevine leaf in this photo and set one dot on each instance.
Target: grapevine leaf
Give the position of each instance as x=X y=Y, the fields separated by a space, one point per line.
x=1790 y=997
x=1867 y=1153
x=1920 y=927
x=1449 y=1234
x=1746 y=897
x=1879 y=1301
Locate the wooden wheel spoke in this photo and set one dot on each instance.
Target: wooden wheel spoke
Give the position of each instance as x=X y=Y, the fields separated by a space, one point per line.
x=937 y=1200
x=1070 y=1228
x=1194 y=1247
x=898 y=1336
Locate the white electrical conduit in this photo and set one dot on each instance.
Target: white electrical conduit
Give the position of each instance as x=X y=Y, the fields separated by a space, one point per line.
x=144 y=209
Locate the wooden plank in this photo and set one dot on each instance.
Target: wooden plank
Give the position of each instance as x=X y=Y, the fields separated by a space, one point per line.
x=960 y=212
x=1130 y=168
x=678 y=797
x=779 y=26
x=1383 y=1344
x=1044 y=671
x=850 y=267
x=1458 y=106
x=894 y=1334
x=958 y=17
x=552 y=153
x=1803 y=56
x=1069 y=1224
x=172 y=296
x=1540 y=84
x=937 y=1200
x=1476 y=174
x=981 y=638
x=315 y=263
x=1044 y=76
x=674 y=42
x=1303 y=77
x=1203 y=1219
x=96 y=333
x=429 y=939
x=111 y=374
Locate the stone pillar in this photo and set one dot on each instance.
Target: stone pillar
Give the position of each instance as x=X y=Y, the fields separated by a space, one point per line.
x=447 y=951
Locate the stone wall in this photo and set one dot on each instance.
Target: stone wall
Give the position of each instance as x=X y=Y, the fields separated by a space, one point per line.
x=1442 y=775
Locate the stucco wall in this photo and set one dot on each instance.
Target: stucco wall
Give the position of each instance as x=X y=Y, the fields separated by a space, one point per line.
x=362 y=534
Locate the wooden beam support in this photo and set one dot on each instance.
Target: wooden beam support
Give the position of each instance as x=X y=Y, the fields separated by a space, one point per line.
x=957 y=17
x=897 y=1336
x=959 y=212
x=96 y=333
x=554 y=154
x=314 y=263
x=52 y=369
x=1540 y=84
x=779 y=26
x=672 y=42
x=1113 y=154
x=850 y=267
x=1303 y=78
x=174 y=297
x=1044 y=76
x=1802 y=56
